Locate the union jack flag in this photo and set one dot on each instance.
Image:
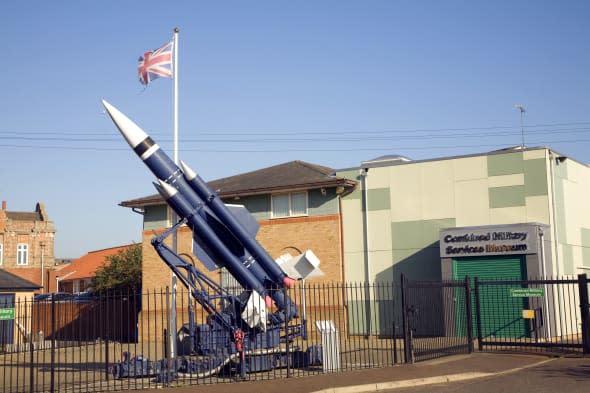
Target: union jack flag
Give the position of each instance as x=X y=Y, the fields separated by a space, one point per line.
x=155 y=64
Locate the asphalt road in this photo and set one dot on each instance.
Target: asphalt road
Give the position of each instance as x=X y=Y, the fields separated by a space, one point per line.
x=571 y=375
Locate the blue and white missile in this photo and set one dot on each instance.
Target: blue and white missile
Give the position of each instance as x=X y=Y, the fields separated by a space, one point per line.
x=246 y=276
x=194 y=221
x=247 y=239
x=221 y=234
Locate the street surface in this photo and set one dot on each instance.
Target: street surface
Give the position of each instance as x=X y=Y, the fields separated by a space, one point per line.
x=571 y=375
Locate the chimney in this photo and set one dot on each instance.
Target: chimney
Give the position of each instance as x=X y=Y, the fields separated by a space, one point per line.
x=3 y=205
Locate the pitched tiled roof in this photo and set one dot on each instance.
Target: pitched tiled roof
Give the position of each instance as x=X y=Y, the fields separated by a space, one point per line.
x=11 y=282
x=87 y=265
x=290 y=176
x=31 y=274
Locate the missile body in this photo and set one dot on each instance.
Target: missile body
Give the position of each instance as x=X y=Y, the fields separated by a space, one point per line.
x=182 y=207
x=221 y=236
x=249 y=241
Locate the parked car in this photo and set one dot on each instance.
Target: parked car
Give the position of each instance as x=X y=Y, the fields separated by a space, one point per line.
x=64 y=296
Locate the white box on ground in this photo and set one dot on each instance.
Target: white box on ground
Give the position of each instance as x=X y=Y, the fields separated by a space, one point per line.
x=330 y=346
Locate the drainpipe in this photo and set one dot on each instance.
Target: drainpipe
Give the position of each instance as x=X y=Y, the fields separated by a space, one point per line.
x=554 y=211
x=544 y=275
x=365 y=176
x=42 y=245
x=555 y=232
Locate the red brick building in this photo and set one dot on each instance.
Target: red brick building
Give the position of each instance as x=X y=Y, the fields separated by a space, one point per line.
x=27 y=244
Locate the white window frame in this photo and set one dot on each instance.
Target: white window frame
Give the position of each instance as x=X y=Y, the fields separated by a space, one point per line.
x=22 y=252
x=1 y=253
x=290 y=199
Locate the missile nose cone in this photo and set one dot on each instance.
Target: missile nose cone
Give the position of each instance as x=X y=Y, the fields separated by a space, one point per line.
x=132 y=133
x=165 y=189
x=188 y=172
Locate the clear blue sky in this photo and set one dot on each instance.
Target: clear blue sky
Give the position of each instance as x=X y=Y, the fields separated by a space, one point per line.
x=265 y=82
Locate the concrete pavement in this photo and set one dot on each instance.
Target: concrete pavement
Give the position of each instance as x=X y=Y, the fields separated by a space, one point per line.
x=454 y=368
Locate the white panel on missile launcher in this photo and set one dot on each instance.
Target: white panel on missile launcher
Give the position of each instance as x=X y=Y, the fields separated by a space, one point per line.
x=254 y=313
x=304 y=266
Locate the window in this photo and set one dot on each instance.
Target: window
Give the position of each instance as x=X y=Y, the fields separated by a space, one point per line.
x=1 y=254
x=22 y=254
x=288 y=205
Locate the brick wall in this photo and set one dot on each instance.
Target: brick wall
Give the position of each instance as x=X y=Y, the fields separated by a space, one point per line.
x=38 y=235
x=295 y=235
x=155 y=273
x=321 y=234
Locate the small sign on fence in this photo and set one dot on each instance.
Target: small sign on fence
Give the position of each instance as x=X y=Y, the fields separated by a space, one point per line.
x=528 y=314
x=527 y=292
x=6 y=314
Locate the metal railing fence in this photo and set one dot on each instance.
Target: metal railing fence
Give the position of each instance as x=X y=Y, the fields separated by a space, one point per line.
x=80 y=345
x=69 y=345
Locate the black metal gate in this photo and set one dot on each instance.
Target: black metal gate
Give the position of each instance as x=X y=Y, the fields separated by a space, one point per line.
x=437 y=319
x=539 y=315
x=441 y=318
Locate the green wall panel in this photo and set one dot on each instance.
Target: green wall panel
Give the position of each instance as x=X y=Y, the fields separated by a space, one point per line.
x=505 y=164
x=155 y=217
x=508 y=196
x=417 y=264
x=378 y=199
x=321 y=205
x=415 y=248
x=318 y=204
x=535 y=177
x=352 y=174
x=257 y=205
x=417 y=234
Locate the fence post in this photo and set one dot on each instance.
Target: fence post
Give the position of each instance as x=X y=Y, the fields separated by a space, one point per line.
x=406 y=322
x=31 y=340
x=468 y=314
x=478 y=314
x=287 y=312
x=52 y=367
x=584 y=311
x=167 y=350
x=106 y=330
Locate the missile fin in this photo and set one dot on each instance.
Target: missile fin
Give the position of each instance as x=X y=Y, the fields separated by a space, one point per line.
x=245 y=218
x=205 y=255
x=224 y=234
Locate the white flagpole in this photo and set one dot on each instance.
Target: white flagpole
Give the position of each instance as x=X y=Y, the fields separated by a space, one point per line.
x=175 y=92
x=172 y=327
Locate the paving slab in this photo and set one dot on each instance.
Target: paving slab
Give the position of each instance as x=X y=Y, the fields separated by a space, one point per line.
x=453 y=368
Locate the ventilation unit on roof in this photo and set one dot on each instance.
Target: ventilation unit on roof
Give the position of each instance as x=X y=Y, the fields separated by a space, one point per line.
x=392 y=159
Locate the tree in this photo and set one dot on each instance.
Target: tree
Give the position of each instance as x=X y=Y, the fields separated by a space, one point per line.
x=120 y=272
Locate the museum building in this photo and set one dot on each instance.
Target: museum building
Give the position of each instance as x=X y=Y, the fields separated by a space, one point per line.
x=516 y=213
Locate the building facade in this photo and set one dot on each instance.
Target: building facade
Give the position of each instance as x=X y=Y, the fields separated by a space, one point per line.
x=27 y=244
x=16 y=295
x=514 y=213
x=403 y=205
